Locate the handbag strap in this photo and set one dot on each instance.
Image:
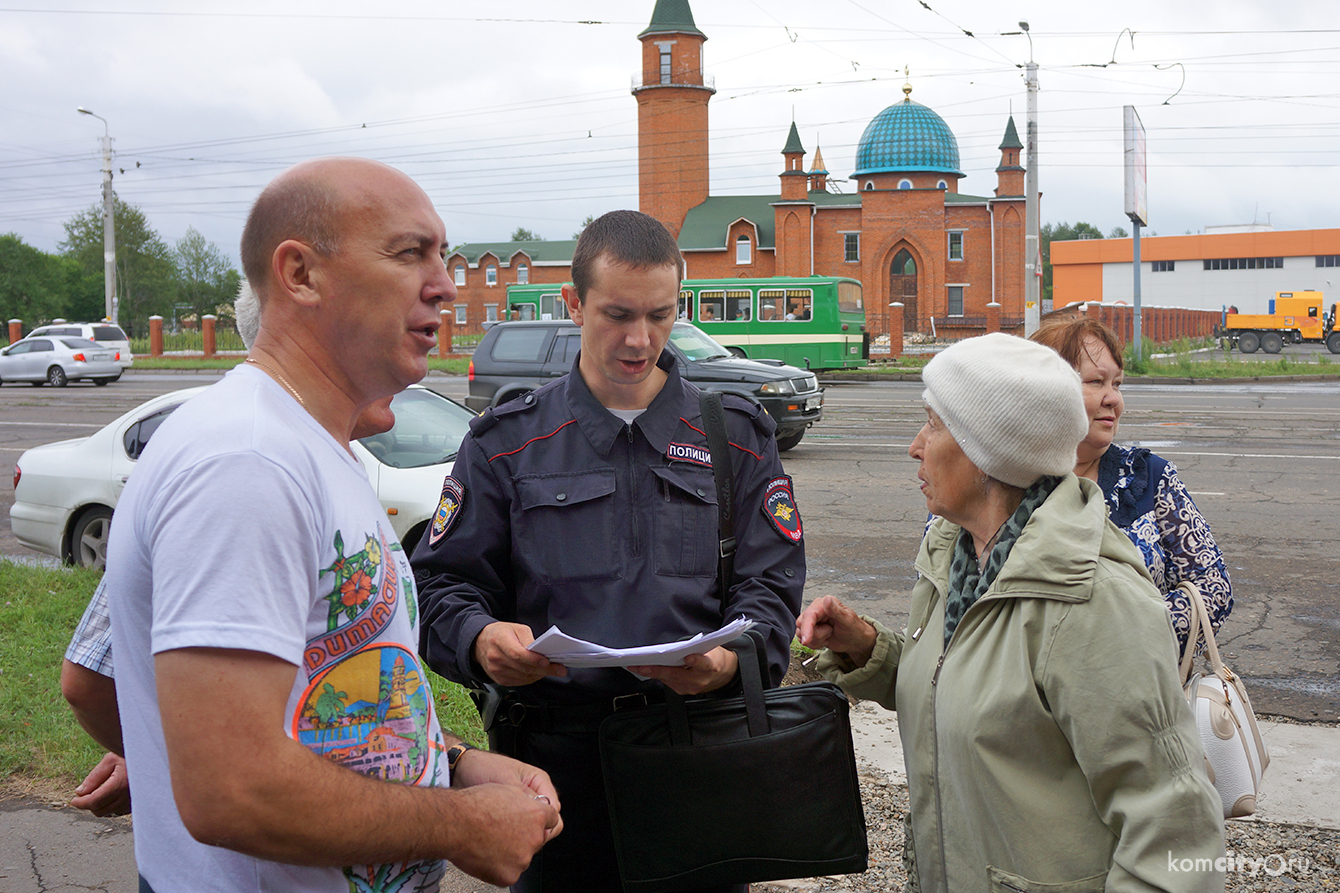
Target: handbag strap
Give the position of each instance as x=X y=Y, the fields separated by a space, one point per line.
x=714 y=421
x=748 y=647
x=1200 y=628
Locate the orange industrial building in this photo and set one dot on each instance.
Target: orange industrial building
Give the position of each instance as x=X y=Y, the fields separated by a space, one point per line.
x=1224 y=267
x=951 y=259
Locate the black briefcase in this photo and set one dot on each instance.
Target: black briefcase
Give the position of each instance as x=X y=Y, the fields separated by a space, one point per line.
x=708 y=791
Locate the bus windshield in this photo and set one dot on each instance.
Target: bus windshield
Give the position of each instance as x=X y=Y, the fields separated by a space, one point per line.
x=695 y=344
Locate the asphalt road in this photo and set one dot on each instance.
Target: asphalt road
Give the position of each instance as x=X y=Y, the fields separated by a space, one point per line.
x=1258 y=459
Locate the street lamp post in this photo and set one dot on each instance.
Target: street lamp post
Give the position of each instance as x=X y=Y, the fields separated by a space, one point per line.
x=1032 y=245
x=108 y=220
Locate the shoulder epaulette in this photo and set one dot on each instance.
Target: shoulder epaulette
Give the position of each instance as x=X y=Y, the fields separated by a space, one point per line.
x=752 y=408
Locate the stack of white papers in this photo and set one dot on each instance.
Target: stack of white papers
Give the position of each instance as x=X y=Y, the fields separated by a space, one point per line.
x=562 y=648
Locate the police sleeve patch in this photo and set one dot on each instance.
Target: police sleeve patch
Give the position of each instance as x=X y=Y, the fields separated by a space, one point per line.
x=448 y=510
x=779 y=506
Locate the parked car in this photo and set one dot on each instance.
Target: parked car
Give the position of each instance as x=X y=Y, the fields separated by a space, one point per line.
x=65 y=493
x=105 y=333
x=514 y=358
x=58 y=361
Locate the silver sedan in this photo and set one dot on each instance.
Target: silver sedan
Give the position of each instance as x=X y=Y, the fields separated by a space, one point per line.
x=59 y=361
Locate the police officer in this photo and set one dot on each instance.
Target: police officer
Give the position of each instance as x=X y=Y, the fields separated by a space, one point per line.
x=590 y=504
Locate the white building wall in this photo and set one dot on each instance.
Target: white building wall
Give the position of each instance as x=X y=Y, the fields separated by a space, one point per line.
x=1191 y=286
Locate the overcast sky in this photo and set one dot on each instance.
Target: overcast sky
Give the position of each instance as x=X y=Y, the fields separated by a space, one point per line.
x=523 y=116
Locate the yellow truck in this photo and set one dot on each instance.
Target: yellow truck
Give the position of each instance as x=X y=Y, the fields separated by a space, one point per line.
x=1295 y=317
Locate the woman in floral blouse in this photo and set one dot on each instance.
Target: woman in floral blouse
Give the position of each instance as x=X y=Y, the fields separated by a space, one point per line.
x=1145 y=496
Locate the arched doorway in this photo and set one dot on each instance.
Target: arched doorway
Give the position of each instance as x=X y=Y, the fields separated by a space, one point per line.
x=903 y=287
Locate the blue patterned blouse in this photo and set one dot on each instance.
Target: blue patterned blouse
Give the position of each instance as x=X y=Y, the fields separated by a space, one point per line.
x=1147 y=499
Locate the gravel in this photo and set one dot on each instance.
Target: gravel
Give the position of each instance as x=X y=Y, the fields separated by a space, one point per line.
x=1265 y=856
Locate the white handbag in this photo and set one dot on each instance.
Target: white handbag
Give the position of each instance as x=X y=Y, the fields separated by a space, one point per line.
x=1235 y=752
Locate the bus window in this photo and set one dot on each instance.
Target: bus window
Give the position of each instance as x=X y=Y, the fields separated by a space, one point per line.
x=799 y=303
x=849 y=297
x=525 y=311
x=771 y=303
x=686 y=305
x=552 y=306
x=738 y=304
x=711 y=305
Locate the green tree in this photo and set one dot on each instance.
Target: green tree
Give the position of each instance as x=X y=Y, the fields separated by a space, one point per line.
x=206 y=279
x=36 y=287
x=1060 y=232
x=1118 y=232
x=146 y=276
x=590 y=219
x=521 y=234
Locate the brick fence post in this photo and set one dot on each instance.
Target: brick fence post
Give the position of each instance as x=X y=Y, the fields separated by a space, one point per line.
x=895 y=330
x=992 y=317
x=445 y=332
x=207 y=334
x=15 y=330
x=155 y=336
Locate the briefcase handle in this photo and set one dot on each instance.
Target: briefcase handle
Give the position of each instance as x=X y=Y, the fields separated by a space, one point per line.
x=749 y=649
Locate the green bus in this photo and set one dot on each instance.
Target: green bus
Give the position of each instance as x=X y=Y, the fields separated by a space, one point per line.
x=812 y=322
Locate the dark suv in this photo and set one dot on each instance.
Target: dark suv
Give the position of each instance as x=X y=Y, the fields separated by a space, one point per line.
x=516 y=357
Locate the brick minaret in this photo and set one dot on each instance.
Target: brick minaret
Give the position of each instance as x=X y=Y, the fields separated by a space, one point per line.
x=672 y=115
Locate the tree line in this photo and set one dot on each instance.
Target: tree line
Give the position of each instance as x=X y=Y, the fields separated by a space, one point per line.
x=180 y=282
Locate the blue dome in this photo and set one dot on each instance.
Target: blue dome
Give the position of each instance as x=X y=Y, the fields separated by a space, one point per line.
x=907 y=137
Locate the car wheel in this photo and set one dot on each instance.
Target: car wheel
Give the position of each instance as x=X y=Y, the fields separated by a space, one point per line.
x=1271 y=342
x=737 y=352
x=88 y=541
x=1333 y=342
x=789 y=441
x=56 y=375
x=1248 y=342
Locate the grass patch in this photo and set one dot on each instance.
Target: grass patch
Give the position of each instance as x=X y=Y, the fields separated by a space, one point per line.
x=40 y=741
x=39 y=738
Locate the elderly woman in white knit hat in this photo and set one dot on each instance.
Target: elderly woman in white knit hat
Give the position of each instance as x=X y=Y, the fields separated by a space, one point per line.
x=1047 y=742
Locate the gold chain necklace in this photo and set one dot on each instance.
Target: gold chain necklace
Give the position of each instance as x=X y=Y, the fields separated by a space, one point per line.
x=279 y=378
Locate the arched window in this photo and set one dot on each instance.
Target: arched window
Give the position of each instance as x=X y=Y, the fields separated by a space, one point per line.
x=869 y=185
x=903 y=264
x=491 y=275
x=522 y=274
x=458 y=274
x=941 y=185
x=904 y=183
x=743 y=250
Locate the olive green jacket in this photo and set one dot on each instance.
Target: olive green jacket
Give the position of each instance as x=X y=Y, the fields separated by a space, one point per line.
x=1049 y=746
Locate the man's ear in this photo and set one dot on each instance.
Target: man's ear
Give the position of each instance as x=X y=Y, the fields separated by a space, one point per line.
x=295 y=267
x=573 y=303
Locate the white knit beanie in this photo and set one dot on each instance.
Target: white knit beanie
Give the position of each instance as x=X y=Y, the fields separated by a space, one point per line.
x=1014 y=406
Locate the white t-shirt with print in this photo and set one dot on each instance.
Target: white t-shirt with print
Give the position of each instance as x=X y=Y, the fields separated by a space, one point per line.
x=246 y=525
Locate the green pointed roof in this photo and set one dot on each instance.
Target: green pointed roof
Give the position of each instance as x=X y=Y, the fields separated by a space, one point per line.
x=1011 y=140
x=793 y=142
x=672 y=17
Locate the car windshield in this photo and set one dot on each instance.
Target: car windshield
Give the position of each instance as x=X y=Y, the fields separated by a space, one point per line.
x=108 y=333
x=696 y=344
x=80 y=344
x=428 y=430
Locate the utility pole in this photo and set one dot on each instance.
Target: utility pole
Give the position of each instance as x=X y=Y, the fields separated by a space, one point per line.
x=1032 y=245
x=108 y=221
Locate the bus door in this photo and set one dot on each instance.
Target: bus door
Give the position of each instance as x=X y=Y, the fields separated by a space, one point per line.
x=552 y=306
x=685 y=305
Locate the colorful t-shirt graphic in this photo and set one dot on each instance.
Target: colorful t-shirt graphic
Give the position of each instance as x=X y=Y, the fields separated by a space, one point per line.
x=246 y=526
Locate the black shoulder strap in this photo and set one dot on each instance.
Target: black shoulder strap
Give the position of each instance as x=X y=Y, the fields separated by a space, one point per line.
x=714 y=421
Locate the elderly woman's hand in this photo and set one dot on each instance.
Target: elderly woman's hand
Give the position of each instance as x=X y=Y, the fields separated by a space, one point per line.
x=828 y=623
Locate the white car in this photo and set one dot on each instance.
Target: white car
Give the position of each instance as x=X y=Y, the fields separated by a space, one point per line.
x=108 y=335
x=64 y=493
x=58 y=360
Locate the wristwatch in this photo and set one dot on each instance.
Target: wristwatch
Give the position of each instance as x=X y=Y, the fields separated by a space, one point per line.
x=455 y=752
